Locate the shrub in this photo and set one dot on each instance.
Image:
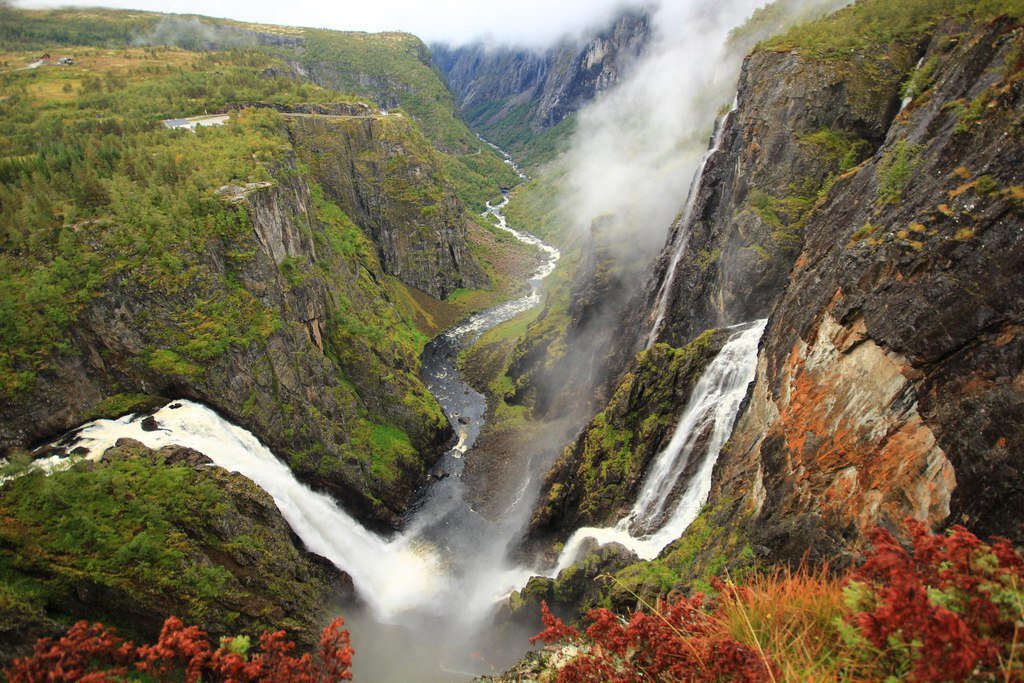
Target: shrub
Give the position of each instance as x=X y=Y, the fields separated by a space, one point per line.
x=680 y=641
x=94 y=652
x=949 y=608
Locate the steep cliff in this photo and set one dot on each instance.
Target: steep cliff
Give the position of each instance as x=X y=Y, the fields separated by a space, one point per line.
x=511 y=95
x=387 y=179
x=143 y=535
x=798 y=124
x=214 y=266
x=890 y=374
x=865 y=194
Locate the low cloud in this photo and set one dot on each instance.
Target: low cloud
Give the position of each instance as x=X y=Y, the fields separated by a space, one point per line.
x=637 y=147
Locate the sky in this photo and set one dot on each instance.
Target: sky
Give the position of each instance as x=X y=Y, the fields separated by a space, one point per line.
x=525 y=22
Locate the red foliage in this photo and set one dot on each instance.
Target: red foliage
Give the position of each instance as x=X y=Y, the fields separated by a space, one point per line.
x=949 y=608
x=954 y=602
x=680 y=642
x=94 y=654
x=73 y=656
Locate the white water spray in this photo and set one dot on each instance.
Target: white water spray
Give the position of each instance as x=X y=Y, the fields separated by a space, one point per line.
x=682 y=237
x=391 y=576
x=703 y=428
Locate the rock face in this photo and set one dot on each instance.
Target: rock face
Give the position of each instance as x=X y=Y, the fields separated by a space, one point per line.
x=387 y=179
x=798 y=125
x=507 y=94
x=322 y=368
x=890 y=373
x=597 y=477
x=885 y=242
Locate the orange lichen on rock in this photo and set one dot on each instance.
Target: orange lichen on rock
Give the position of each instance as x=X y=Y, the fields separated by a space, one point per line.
x=856 y=447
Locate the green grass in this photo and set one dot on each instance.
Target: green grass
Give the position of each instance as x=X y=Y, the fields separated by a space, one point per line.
x=882 y=22
x=896 y=169
x=133 y=537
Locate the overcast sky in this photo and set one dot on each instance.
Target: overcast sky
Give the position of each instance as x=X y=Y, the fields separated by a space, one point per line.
x=523 y=22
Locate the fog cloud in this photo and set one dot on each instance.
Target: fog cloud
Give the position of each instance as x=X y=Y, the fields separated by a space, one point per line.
x=637 y=148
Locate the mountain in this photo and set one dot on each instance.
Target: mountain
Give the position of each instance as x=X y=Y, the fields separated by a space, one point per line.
x=864 y=197
x=513 y=96
x=274 y=267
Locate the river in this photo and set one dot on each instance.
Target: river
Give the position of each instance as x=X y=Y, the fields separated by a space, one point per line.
x=427 y=595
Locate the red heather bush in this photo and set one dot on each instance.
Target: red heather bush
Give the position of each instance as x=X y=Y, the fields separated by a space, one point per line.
x=680 y=642
x=94 y=654
x=949 y=609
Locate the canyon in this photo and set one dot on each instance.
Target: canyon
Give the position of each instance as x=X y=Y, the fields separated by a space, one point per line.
x=459 y=415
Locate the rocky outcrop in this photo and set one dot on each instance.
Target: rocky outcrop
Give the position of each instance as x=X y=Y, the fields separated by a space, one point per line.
x=798 y=125
x=237 y=568
x=508 y=95
x=284 y=325
x=597 y=477
x=386 y=178
x=574 y=591
x=890 y=374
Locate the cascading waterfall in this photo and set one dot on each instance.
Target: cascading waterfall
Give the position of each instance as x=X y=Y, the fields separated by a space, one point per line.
x=658 y=517
x=685 y=227
x=390 y=576
x=447 y=570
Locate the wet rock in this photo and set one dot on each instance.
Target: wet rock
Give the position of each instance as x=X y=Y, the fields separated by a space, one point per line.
x=149 y=424
x=575 y=589
x=888 y=383
x=591 y=484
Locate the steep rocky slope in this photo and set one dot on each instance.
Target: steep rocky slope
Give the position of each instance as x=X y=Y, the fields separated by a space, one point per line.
x=387 y=179
x=307 y=379
x=511 y=95
x=870 y=202
x=798 y=124
x=890 y=374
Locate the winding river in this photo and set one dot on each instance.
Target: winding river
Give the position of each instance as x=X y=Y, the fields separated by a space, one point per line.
x=428 y=592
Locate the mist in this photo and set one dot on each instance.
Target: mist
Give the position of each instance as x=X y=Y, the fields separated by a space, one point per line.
x=637 y=147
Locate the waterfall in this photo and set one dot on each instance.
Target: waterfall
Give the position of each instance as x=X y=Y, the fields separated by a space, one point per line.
x=658 y=517
x=391 y=576
x=685 y=227
x=442 y=576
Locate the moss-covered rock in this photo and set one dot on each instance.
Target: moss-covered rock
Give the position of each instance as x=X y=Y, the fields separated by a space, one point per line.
x=143 y=535
x=596 y=479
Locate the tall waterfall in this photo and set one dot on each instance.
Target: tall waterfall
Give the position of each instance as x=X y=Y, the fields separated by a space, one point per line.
x=682 y=237
x=658 y=517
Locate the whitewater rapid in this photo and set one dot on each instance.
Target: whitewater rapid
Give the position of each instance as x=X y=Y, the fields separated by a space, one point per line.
x=658 y=517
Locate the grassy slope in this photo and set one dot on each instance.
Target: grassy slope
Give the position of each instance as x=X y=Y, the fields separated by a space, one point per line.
x=133 y=539
x=112 y=194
